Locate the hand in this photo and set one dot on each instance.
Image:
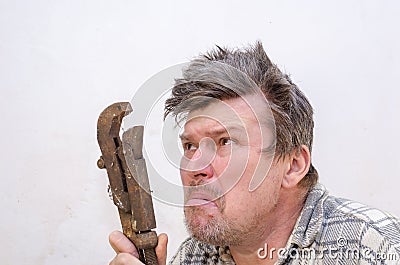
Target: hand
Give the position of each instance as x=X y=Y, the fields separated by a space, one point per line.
x=127 y=253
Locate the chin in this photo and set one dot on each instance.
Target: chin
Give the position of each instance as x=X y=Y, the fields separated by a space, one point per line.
x=211 y=229
x=197 y=217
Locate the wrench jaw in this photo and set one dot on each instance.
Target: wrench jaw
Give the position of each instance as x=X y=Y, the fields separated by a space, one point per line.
x=108 y=127
x=129 y=183
x=137 y=180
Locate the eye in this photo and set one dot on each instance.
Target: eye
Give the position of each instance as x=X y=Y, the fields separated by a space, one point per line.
x=189 y=147
x=226 y=141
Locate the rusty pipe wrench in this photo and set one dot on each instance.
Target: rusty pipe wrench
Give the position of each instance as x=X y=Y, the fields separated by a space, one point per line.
x=129 y=183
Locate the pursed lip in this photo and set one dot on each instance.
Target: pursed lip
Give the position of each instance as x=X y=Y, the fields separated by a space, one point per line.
x=201 y=199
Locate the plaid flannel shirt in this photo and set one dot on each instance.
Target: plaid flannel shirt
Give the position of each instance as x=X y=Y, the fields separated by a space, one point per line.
x=329 y=230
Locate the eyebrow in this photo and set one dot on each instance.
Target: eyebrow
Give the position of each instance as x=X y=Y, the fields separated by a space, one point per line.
x=216 y=132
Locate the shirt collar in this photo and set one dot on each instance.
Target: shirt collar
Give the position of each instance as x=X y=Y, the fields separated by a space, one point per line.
x=309 y=222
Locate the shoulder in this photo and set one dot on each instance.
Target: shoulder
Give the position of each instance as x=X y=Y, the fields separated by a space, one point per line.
x=348 y=213
x=193 y=251
x=350 y=224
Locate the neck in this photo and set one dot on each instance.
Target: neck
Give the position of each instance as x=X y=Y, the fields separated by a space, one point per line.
x=263 y=248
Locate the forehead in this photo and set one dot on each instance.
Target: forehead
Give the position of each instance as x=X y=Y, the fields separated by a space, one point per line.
x=251 y=110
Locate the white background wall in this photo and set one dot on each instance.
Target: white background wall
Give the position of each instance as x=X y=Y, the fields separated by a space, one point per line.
x=62 y=62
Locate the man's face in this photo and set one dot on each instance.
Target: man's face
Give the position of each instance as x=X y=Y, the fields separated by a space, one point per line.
x=226 y=150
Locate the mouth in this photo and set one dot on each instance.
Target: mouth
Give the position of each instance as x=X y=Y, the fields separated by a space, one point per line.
x=201 y=199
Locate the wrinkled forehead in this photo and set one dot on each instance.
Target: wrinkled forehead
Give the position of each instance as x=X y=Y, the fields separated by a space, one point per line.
x=251 y=110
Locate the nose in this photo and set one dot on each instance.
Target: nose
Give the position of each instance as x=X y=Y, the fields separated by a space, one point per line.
x=204 y=173
x=199 y=166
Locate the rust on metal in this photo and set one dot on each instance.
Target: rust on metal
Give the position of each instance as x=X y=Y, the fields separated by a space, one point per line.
x=129 y=183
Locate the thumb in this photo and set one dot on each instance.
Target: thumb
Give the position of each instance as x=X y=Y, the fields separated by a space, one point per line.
x=161 y=249
x=121 y=244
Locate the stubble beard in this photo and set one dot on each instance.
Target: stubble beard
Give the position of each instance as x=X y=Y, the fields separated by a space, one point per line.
x=222 y=230
x=214 y=230
x=218 y=230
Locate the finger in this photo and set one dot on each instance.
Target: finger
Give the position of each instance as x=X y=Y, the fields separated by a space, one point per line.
x=125 y=259
x=121 y=244
x=161 y=249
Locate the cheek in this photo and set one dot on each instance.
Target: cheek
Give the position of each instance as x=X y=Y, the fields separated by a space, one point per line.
x=229 y=172
x=240 y=204
x=220 y=164
x=246 y=163
x=234 y=171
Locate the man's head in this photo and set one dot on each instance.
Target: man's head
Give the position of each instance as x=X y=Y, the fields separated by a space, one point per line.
x=291 y=109
x=244 y=120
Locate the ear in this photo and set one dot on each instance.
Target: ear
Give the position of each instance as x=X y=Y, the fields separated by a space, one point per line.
x=298 y=166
